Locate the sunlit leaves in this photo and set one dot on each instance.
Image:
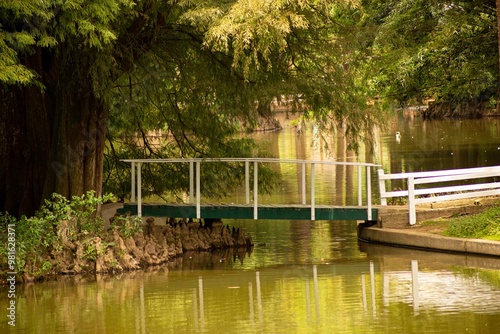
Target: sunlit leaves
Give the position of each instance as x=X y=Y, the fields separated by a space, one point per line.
x=15 y=74
x=254 y=29
x=435 y=49
x=197 y=70
x=29 y=23
x=91 y=20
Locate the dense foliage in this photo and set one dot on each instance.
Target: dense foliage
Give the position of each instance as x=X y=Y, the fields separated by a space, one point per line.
x=444 y=51
x=227 y=66
x=86 y=83
x=33 y=245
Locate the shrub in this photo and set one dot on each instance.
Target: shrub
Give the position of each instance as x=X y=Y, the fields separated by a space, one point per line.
x=37 y=237
x=127 y=226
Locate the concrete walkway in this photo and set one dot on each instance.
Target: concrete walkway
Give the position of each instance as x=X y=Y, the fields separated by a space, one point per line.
x=422 y=240
x=393 y=228
x=108 y=210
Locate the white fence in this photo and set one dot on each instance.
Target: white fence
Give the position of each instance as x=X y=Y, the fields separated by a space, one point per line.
x=195 y=171
x=444 y=193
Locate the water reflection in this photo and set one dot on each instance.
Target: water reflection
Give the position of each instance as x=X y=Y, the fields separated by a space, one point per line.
x=302 y=277
x=407 y=145
x=342 y=297
x=439 y=144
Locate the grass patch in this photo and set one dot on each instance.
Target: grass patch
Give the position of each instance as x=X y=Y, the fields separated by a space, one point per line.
x=485 y=225
x=436 y=222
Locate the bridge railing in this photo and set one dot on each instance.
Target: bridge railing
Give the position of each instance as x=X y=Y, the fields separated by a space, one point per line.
x=438 y=193
x=195 y=180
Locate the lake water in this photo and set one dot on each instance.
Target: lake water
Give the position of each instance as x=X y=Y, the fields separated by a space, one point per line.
x=302 y=277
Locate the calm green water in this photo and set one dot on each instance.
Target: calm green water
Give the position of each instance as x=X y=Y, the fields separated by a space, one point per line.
x=302 y=277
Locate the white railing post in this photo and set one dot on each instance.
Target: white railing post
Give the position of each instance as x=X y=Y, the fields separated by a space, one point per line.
x=255 y=190
x=139 y=190
x=381 y=186
x=191 y=182
x=369 y=192
x=412 y=211
x=360 y=186
x=303 y=184
x=247 y=181
x=198 y=192
x=313 y=197
x=132 y=179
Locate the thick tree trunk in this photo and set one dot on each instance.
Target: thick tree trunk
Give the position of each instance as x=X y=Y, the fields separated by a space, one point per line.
x=498 y=40
x=79 y=127
x=25 y=144
x=51 y=141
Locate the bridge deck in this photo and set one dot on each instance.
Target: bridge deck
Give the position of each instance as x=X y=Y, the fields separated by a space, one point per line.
x=242 y=211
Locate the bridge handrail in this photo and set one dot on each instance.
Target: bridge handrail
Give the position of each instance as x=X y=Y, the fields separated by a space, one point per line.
x=194 y=179
x=277 y=160
x=442 y=176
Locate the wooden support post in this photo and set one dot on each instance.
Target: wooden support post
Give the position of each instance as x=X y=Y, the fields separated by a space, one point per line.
x=412 y=211
x=369 y=192
x=360 y=186
x=381 y=186
x=191 y=182
x=303 y=184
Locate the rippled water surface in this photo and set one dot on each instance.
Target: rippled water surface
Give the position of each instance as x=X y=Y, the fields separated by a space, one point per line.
x=302 y=277
x=318 y=280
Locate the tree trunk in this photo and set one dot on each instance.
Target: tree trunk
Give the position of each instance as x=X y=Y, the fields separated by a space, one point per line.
x=498 y=40
x=51 y=140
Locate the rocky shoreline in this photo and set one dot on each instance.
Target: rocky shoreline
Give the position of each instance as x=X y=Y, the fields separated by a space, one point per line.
x=157 y=245
x=160 y=243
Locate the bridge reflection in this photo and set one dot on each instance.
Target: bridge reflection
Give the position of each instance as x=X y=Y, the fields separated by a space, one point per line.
x=374 y=289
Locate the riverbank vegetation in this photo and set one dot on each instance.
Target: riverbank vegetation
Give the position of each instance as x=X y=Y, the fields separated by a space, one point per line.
x=47 y=242
x=68 y=237
x=484 y=225
x=443 y=53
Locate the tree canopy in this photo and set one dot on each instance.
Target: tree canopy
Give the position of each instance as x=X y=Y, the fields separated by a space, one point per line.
x=84 y=82
x=197 y=70
x=446 y=51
